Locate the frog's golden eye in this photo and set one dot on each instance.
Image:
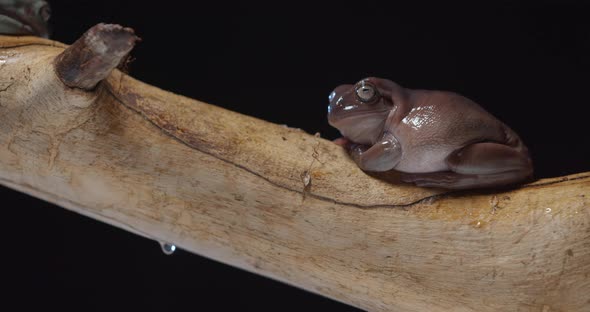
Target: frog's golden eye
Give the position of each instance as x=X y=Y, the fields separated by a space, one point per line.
x=366 y=92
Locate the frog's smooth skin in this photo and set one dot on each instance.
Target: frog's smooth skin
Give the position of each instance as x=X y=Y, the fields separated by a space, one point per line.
x=434 y=138
x=24 y=17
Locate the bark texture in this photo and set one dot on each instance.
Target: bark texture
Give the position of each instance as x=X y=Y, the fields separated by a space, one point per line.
x=282 y=203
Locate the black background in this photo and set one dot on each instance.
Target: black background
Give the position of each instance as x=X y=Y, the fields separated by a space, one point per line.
x=527 y=64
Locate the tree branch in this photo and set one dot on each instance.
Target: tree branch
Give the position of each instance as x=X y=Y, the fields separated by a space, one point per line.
x=279 y=202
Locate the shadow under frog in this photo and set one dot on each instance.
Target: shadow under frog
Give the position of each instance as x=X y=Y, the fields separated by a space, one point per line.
x=432 y=138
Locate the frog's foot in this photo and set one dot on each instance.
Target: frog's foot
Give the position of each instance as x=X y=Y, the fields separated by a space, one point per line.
x=342 y=141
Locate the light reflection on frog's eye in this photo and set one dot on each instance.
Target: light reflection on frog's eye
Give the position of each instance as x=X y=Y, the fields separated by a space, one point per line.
x=366 y=92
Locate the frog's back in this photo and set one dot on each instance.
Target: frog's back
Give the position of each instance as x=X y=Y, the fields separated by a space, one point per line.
x=441 y=123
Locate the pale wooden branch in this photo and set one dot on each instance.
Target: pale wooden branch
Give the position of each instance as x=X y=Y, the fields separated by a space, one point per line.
x=282 y=203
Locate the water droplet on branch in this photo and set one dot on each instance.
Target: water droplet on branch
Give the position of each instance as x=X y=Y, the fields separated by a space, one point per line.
x=167 y=248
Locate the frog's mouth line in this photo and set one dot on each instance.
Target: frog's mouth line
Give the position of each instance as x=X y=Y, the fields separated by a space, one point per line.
x=353 y=116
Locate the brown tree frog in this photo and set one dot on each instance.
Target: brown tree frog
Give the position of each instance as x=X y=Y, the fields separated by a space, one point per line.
x=434 y=138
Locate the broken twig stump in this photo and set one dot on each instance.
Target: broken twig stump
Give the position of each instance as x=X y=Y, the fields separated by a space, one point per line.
x=275 y=200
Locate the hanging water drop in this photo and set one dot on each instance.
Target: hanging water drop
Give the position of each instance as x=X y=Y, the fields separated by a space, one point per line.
x=167 y=248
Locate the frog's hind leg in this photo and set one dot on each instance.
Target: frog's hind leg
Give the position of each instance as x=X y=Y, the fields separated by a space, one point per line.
x=478 y=165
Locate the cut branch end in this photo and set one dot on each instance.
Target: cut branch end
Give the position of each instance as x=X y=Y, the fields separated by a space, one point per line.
x=92 y=57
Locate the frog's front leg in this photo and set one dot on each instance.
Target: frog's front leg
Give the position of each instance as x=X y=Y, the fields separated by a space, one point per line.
x=478 y=165
x=381 y=156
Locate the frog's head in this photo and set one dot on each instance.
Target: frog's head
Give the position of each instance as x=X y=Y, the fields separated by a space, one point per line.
x=24 y=17
x=359 y=111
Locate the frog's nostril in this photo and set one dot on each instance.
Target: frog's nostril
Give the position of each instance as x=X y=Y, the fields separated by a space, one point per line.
x=331 y=96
